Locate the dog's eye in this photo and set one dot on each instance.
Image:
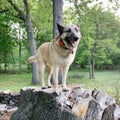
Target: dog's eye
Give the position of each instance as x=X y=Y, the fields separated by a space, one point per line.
x=76 y=29
x=69 y=30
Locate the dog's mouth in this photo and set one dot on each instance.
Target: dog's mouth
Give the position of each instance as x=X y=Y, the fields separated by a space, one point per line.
x=72 y=42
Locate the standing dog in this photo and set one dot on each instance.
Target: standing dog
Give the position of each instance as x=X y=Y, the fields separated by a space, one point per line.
x=58 y=54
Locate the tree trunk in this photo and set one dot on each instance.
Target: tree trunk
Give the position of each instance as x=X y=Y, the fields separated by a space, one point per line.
x=57 y=15
x=90 y=68
x=13 y=67
x=76 y=104
x=20 y=55
x=57 y=18
x=30 y=34
x=5 y=59
x=92 y=61
x=93 y=65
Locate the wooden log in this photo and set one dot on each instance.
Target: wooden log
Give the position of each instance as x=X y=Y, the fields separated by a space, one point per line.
x=76 y=104
x=9 y=98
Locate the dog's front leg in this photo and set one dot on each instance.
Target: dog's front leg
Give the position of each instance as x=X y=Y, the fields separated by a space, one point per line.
x=55 y=76
x=64 y=76
x=50 y=72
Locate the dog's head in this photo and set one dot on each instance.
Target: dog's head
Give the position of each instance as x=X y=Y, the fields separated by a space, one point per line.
x=70 y=35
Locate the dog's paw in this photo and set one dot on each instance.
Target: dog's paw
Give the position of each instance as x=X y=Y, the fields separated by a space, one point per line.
x=65 y=89
x=43 y=88
x=50 y=86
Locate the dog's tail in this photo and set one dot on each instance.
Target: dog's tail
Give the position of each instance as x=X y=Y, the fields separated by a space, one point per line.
x=32 y=59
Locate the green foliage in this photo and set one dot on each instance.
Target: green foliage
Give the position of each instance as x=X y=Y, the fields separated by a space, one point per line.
x=84 y=12
x=42 y=17
x=14 y=46
x=89 y=15
x=6 y=41
x=70 y=17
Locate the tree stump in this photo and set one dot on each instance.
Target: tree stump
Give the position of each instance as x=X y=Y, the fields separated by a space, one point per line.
x=75 y=104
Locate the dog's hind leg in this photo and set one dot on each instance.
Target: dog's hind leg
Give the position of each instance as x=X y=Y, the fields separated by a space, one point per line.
x=41 y=68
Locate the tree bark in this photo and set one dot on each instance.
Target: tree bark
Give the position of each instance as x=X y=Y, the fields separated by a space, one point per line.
x=20 y=55
x=92 y=60
x=76 y=104
x=92 y=66
x=57 y=18
x=57 y=15
x=30 y=34
x=13 y=68
x=5 y=59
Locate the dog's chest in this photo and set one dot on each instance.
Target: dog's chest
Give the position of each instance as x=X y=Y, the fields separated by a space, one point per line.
x=61 y=60
x=58 y=56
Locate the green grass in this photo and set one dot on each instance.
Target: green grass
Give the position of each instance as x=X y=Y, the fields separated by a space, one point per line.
x=106 y=81
x=15 y=82
x=101 y=77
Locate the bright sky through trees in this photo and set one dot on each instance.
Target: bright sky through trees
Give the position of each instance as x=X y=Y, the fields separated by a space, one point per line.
x=104 y=3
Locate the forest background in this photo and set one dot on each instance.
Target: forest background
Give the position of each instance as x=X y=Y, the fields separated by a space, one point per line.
x=99 y=48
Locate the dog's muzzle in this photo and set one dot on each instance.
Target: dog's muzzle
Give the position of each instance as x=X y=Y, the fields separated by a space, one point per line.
x=76 y=38
x=72 y=40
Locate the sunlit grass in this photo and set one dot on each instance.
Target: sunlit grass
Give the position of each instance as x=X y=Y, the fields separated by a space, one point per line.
x=104 y=80
x=15 y=82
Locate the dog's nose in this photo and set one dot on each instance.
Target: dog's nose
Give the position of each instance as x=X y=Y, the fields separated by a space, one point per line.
x=76 y=38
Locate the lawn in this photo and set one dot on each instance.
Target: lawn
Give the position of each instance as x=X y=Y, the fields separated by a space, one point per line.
x=14 y=82
x=108 y=81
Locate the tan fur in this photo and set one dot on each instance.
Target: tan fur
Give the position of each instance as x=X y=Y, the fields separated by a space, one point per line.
x=54 y=57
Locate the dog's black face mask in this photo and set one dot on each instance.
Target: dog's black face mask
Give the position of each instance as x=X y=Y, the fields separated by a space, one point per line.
x=71 y=39
x=70 y=34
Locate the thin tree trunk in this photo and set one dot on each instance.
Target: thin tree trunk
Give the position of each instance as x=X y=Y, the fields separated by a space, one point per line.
x=26 y=18
x=90 y=68
x=32 y=42
x=13 y=68
x=57 y=15
x=5 y=59
x=93 y=66
x=19 y=56
x=92 y=60
x=57 y=18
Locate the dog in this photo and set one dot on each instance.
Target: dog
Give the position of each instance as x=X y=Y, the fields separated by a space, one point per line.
x=58 y=55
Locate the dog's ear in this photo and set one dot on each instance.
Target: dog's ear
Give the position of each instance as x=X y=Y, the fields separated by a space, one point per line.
x=60 y=28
